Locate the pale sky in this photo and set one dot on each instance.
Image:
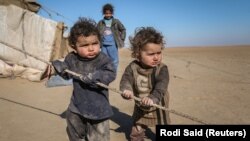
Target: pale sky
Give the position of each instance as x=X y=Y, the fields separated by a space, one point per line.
x=182 y=22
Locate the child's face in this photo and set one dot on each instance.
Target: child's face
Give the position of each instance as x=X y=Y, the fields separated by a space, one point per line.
x=108 y=14
x=88 y=47
x=151 y=54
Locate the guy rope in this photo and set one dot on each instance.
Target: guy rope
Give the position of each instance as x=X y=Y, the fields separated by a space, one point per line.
x=115 y=90
x=139 y=99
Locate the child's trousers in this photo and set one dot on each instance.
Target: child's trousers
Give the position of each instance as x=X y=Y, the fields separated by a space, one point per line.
x=82 y=129
x=112 y=52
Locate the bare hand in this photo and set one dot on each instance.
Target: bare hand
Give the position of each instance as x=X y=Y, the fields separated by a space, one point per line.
x=49 y=71
x=127 y=94
x=147 y=101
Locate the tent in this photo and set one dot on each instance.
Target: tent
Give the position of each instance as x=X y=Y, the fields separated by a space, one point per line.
x=28 y=41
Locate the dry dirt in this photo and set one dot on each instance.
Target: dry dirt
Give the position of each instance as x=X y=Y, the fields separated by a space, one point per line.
x=212 y=84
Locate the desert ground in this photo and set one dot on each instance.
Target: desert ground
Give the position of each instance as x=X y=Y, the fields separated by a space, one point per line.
x=209 y=83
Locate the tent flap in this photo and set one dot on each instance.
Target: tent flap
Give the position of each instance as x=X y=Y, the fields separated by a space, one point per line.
x=26 y=36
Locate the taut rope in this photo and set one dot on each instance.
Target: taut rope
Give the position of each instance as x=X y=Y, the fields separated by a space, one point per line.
x=113 y=89
x=138 y=99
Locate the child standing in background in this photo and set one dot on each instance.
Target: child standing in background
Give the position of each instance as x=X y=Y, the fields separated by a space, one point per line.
x=146 y=77
x=113 y=33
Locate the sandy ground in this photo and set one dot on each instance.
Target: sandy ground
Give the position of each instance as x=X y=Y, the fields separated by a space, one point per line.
x=212 y=84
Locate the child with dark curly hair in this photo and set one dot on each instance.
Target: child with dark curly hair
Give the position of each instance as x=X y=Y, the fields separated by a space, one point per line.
x=113 y=33
x=89 y=109
x=147 y=78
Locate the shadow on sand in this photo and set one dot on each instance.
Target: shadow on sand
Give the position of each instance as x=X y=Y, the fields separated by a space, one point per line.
x=125 y=122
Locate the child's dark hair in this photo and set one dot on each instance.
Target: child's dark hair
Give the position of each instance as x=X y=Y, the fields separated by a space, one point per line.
x=142 y=36
x=109 y=7
x=83 y=27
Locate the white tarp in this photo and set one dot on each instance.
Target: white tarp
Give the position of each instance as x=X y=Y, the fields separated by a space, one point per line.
x=26 y=31
x=14 y=70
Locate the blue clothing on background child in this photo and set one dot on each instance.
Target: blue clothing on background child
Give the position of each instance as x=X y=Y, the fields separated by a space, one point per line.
x=113 y=34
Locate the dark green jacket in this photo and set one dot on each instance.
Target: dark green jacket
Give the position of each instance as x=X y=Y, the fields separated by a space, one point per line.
x=118 y=30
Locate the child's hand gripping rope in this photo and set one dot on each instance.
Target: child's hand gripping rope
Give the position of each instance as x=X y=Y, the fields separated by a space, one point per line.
x=61 y=68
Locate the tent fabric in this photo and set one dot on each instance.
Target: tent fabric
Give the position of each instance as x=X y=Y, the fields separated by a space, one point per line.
x=30 y=33
x=61 y=45
x=30 y=5
x=14 y=70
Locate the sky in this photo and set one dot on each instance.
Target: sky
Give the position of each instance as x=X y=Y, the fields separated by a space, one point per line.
x=182 y=22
